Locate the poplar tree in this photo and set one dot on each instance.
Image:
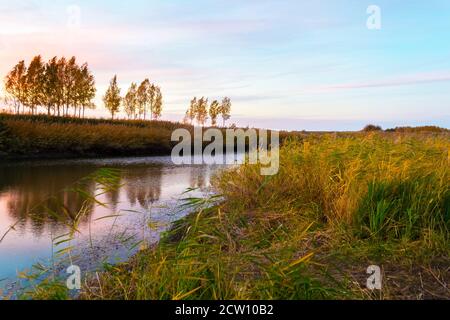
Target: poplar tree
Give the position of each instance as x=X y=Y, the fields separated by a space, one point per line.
x=34 y=80
x=143 y=97
x=15 y=85
x=85 y=89
x=157 y=104
x=51 y=85
x=61 y=90
x=214 y=110
x=150 y=97
x=191 y=112
x=130 y=101
x=112 y=98
x=201 y=113
x=225 y=109
x=69 y=84
x=57 y=86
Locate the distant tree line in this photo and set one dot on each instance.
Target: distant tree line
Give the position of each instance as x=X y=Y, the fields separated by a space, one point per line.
x=200 y=109
x=57 y=86
x=61 y=87
x=139 y=101
x=372 y=127
x=420 y=129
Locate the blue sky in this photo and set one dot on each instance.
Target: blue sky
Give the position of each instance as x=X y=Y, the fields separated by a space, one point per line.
x=292 y=65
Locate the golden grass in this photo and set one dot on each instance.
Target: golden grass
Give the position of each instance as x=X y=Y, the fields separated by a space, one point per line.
x=49 y=139
x=336 y=206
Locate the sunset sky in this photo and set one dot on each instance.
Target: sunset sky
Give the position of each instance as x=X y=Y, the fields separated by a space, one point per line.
x=286 y=64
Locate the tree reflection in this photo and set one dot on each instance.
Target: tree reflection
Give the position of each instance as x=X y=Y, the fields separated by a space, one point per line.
x=143 y=185
x=36 y=196
x=197 y=178
x=41 y=197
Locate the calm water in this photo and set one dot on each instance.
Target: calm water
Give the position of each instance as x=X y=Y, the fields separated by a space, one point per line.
x=147 y=202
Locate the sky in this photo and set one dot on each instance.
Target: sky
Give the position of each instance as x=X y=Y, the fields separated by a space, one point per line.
x=286 y=64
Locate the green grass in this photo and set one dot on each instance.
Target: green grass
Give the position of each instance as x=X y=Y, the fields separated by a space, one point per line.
x=336 y=206
x=207 y=257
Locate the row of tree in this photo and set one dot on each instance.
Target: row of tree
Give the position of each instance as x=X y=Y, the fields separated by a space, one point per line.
x=57 y=85
x=138 y=102
x=200 y=109
x=60 y=85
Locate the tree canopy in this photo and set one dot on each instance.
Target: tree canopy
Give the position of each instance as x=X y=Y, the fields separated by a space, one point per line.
x=56 y=86
x=112 y=98
x=199 y=110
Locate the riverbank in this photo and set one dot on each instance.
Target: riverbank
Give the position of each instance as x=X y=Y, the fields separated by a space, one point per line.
x=340 y=203
x=47 y=137
x=44 y=201
x=51 y=137
x=337 y=206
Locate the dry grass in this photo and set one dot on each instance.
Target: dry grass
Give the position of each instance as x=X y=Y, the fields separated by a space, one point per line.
x=48 y=137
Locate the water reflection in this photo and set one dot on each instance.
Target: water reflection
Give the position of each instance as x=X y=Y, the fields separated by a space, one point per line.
x=143 y=185
x=31 y=194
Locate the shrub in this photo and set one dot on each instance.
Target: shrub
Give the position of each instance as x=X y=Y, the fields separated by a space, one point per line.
x=372 y=127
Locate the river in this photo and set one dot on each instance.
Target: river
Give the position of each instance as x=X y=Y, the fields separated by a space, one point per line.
x=144 y=205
